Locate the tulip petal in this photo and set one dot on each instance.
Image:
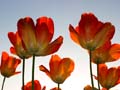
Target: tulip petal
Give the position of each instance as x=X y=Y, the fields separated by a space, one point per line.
x=106 y=33
x=44 y=69
x=73 y=34
x=12 y=38
x=89 y=26
x=51 y=48
x=115 y=51
x=26 y=30
x=54 y=64
x=66 y=67
x=44 y=29
x=12 y=50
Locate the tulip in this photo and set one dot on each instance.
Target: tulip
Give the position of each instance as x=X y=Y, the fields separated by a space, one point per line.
x=60 y=69
x=37 y=85
x=108 y=78
x=90 y=32
x=37 y=38
x=88 y=87
x=102 y=54
x=55 y=88
x=8 y=66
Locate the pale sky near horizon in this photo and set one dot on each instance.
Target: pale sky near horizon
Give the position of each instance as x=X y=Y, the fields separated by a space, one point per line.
x=63 y=13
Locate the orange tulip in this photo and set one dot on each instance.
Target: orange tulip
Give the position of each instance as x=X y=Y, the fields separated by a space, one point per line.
x=37 y=38
x=60 y=69
x=55 y=88
x=102 y=55
x=115 y=51
x=91 y=33
x=103 y=89
x=37 y=85
x=108 y=78
x=88 y=87
x=18 y=47
x=8 y=65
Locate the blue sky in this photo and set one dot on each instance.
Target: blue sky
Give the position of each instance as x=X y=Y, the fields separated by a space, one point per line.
x=63 y=12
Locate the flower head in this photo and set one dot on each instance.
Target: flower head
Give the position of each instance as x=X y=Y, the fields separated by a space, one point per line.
x=37 y=85
x=37 y=38
x=60 y=69
x=8 y=65
x=102 y=55
x=88 y=87
x=108 y=78
x=55 y=88
x=91 y=33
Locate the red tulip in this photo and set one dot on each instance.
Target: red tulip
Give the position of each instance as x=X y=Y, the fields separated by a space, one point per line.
x=60 y=69
x=102 y=55
x=8 y=65
x=88 y=87
x=37 y=86
x=55 y=88
x=37 y=38
x=108 y=78
x=91 y=33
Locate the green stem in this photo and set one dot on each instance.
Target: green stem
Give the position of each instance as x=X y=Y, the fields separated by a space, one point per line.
x=58 y=86
x=91 y=74
x=3 y=83
x=98 y=76
x=23 y=73
x=33 y=70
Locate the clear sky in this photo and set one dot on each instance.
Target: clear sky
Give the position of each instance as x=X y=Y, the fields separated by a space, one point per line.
x=63 y=12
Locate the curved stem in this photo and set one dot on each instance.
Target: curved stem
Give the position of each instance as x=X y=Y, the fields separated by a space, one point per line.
x=3 y=83
x=58 y=86
x=23 y=73
x=98 y=76
x=33 y=70
x=91 y=74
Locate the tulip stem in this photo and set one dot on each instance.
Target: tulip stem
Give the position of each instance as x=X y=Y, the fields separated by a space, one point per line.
x=23 y=73
x=58 y=86
x=91 y=74
x=33 y=70
x=3 y=83
x=98 y=76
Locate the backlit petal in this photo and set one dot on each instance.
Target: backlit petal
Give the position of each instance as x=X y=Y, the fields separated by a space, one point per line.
x=26 y=30
x=45 y=28
x=115 y=51
x=73 y=34
x=51 y=48
x=44 y=69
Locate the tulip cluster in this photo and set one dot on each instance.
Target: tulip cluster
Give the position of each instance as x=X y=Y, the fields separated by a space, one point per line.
x=95 y=36
x=34 y=40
